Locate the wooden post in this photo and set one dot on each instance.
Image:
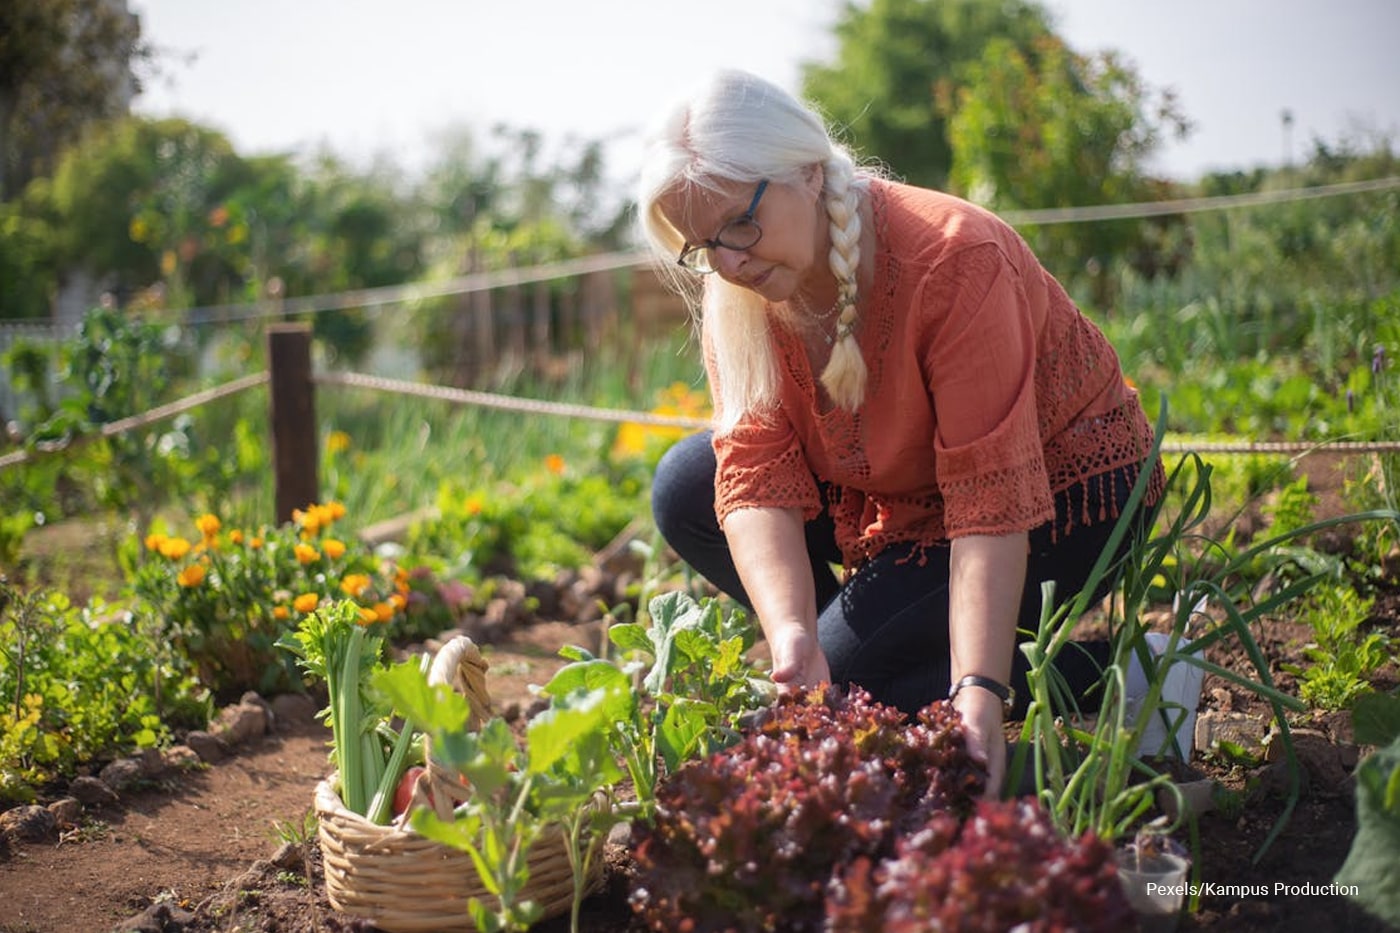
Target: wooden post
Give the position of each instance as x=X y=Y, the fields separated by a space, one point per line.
x=293 y=416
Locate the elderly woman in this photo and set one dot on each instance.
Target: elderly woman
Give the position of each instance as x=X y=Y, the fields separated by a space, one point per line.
x=900 y=388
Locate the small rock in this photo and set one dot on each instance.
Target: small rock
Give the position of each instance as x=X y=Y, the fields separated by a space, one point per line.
x=254 y=698
x=91 y=791
x=1242 y=729
x=1318 y=756
x=67 y=812
x=1197 y=798
x=123 y=774
x=240 y=723
x=620 y=835
x=181 y=758
x=152 y=762
x=28 y=822
x=294 y=708
x=288 y=857
x=158 y=918
x=210 y=748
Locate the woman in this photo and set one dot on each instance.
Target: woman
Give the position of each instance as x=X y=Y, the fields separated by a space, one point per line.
x=899 y=388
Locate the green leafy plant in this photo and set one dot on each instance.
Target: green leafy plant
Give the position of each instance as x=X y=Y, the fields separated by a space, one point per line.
x=604 y=723
x=81 y=685
x=1342 y=658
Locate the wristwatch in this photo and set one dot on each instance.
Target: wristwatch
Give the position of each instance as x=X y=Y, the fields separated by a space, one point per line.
x=1002 y=691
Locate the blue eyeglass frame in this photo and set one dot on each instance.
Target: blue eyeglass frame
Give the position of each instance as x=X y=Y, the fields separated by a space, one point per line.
x=746 y=217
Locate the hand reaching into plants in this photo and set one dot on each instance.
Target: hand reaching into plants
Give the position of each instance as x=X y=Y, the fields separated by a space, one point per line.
x=797 y=656
x=981 y=712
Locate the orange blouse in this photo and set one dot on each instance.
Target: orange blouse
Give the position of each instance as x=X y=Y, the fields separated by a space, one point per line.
x=989 y=393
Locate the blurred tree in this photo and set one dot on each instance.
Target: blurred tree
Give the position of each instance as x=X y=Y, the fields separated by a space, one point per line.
x=63 y=65
x=1045 y=127
x=137 y=201
x=897 y=60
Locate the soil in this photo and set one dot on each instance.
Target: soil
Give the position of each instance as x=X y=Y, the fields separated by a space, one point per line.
x=223 y=849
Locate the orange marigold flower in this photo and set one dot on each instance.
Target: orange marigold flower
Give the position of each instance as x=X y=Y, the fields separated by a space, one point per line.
x=306 y=554
x=333 y=548
x=306 y=602
x=1128 y=381
x=354 y=584
x=280 y=613
x=383 y=611
x=208 y=525
x=191 y=576
x=235 y=536
x=174 y=548
x=368 y=616
x=255 y=542
x=473 y=506
x=554 y=464
x=398 y=601
x=336 y=510
x=154 y=540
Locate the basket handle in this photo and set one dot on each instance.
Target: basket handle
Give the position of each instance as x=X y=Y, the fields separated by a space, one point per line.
x=460 y=664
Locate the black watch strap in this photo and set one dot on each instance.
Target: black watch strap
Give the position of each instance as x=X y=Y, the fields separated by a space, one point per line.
x=1002 y=691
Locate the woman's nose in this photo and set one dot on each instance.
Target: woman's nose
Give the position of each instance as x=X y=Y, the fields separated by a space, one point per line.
x=729 y=262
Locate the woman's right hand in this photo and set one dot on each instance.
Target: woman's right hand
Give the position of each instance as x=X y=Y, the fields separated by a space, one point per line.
x=797 y=656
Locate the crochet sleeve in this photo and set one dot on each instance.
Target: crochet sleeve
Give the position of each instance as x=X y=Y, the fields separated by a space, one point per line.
x=980 y=363
x=760 y=463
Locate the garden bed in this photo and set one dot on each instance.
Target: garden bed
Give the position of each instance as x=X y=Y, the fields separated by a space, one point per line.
x=199 y=850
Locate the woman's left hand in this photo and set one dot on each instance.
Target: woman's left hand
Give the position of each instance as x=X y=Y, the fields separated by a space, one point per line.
x=981 y=711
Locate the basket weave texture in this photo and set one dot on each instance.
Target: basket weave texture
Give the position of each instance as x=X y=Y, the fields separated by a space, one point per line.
x=406 y=883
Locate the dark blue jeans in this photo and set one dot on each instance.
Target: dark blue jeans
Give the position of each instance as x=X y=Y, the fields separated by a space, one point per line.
x=886 y=628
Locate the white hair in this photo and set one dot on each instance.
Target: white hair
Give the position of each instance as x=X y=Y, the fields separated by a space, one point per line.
x=739 y=128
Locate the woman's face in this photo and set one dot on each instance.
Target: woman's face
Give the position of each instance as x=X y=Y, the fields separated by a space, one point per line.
x=787 y=253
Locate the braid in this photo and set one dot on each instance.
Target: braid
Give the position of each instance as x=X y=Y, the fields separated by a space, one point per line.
x=845 y=373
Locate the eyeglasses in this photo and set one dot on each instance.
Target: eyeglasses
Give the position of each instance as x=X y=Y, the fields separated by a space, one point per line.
x=741 y=233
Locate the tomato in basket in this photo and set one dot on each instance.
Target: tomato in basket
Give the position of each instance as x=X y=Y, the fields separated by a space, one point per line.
x=403 y=794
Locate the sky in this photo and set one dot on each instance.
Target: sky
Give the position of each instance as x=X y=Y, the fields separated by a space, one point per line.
x=367 y=79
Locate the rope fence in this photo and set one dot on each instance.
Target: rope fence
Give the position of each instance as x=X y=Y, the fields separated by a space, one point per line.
x=588 y=412
x=607 y=262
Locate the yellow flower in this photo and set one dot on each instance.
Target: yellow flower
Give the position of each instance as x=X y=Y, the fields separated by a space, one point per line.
x=235 y=536
x=398 y=601
x=208 y=525
x=191 y=576
x=306 y=554
x=306 y=602
x=336 y=510
x=173 y=548
x=255 y=542
x=337 y=442
x=280 y=613
x=354 y=584
x=383 y=611
x=333 y=548
x=554 y=464
x=473 y=506
x=368 y=616
x=154 y=540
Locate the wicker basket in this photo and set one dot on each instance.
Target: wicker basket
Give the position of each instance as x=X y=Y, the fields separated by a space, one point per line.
x=405 y=883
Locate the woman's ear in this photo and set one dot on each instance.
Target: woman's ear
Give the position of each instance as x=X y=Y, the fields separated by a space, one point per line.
x=814 y=178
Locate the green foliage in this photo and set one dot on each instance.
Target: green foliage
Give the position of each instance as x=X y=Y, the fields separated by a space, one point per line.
x=63 y=65
x=574 y=753
x=553 y=520
x=899 y=65
x=1343 y=657
x=81 y=686
x=1373 y=864
x=1040 y=126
